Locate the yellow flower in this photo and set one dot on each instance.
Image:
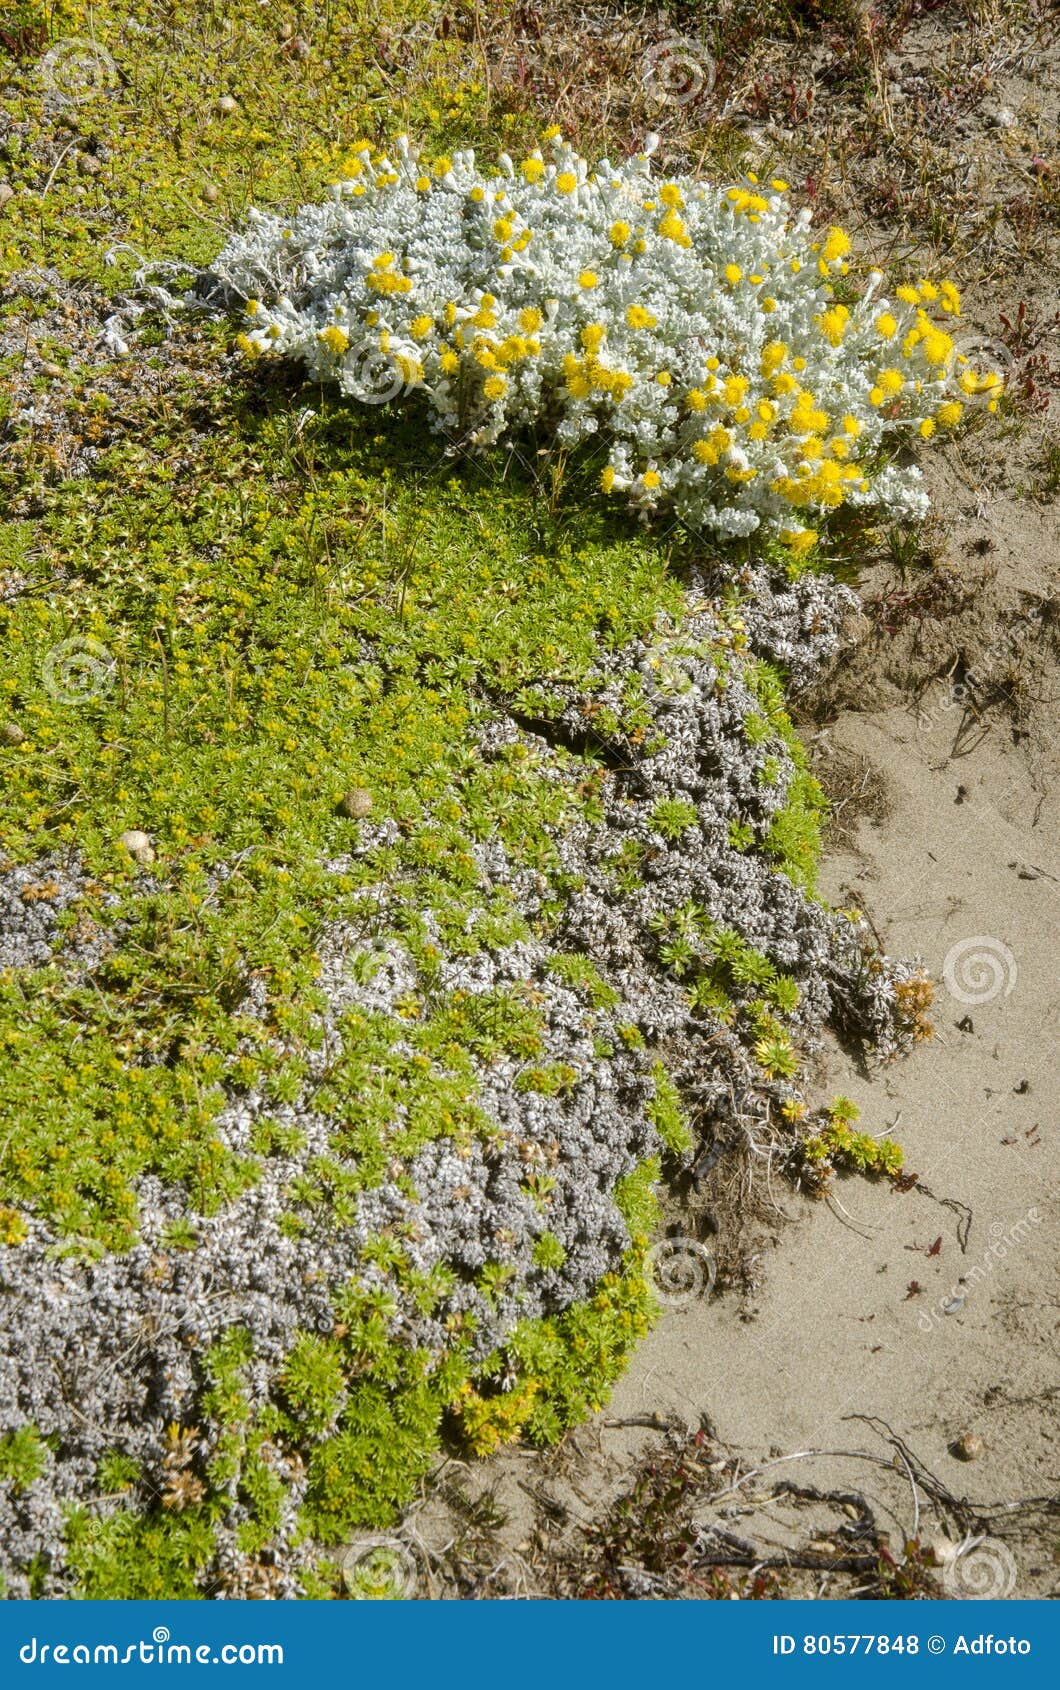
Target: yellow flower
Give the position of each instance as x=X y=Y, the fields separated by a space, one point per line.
x=651 y=479
x=442 y=166
x=533 y=169
x=950 y=413
x=936 y=346
x=450 y=362
x=494 y=387
x=664 y=378
x=588 y=279
x=886 y=325
x=799 y=539
x=833 y=324
x=335 y=340
x=927 y=427
x=566 y=181
x=592 y=336
x=733 y=274
x=908 y=295
x=671 y=228
x=638 y=318
x=620 y=233
x=670 y=194
x=836 y=246
x=423 y=184
x=530 y=319
x=607 y=478
x=421 y=326
x=696 y=399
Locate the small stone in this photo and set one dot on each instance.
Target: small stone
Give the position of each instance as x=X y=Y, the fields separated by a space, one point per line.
x=356 y=803
x=11 y=734
x=138 y=846
x=968 y=1447
x=226 y=105
x=1005 y=118
x=7 y=192
x=53 y=370
x=209 y=193
x=88 y=164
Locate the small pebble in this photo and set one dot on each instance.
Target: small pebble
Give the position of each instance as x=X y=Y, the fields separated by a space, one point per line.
x=1005 y=118
x=209 y=193
x=356 y=803
x=953 y=1305
x=226 y=105
x=138 y=846
x=11 y=734
x=7 y=192
x=968 y=1447
x=53 y=370
x=88 y=164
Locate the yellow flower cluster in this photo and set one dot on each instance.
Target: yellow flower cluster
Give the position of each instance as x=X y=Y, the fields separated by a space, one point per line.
x=739 y=376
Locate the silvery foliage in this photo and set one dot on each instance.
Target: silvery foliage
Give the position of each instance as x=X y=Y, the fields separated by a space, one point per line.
x=104 y=1353
x=505 y=301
